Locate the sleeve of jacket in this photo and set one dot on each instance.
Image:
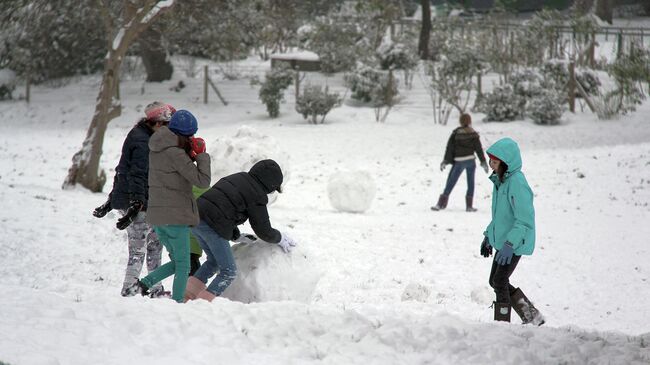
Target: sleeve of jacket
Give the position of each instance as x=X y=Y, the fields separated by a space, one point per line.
x=520 y=198
x=199 y=174
x=258 y=216
x=449 y=151
x=479 y=148
x=137 y=175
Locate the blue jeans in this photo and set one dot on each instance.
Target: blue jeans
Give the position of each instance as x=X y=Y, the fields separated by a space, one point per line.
x=219 y=258
x=457 y=169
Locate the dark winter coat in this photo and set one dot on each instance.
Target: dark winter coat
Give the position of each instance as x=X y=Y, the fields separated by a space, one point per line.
x=239 y=197
x=130 y=182
x=171 y=176
x=463 y=142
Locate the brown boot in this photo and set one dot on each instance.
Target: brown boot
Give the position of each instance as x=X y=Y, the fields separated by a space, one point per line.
x=442 y=202
x=194 y=287
x=469 y=201
x=206 y=295
x=525 y=309
x=502 y=312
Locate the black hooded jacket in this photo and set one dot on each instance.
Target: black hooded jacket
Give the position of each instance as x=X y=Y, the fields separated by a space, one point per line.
x=242 y=196
x=131 y=173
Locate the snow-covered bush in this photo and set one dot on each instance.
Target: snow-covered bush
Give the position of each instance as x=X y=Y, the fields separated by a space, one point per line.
x=315 y=101
x=546 y=107
x=556 y=72
x=265 y=273
x=7 y=83
x=362 y=81
x=272 y=91
x=397 y=56
x=241 y=151
x=351 y=191
x=589 y=81
x=502 y=104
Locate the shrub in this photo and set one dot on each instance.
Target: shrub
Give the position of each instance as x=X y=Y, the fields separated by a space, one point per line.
x=7 y=84
x=361 y=82
x=546 y=107
x=315 y=101
x=336 y=44
x=501 y=104
x=272 y=91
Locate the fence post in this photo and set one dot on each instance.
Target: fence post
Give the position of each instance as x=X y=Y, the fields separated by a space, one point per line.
x=205 y=84
x=619 y=49
x=28 y=84
x=572 y=86
x=479 y=85
x=297 y=78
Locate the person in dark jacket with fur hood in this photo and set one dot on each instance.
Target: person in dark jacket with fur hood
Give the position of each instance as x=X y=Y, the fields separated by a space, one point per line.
x=463 y=143
x=130 y=196
x=230 y=202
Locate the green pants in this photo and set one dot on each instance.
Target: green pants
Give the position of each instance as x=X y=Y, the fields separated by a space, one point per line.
x=176 y=239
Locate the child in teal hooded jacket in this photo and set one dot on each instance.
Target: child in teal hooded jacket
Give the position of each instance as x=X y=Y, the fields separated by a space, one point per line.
x=511 y=231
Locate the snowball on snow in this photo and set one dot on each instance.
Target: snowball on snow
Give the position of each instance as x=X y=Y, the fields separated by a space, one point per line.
x=351 y=191
x=266 y=273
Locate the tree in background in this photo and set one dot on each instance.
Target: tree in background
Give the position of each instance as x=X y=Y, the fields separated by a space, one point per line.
x=425 y=30
x=45 y=40
x=134 y=16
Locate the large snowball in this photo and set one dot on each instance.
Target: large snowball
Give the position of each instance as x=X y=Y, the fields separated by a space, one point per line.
x=240 y=152
x=266 y=273
x=351 y=191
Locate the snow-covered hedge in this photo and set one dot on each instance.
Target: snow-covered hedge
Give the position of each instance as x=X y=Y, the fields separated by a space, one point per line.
x=546 y=107
x=370 y=85
x=315 y=101
x=502 y=104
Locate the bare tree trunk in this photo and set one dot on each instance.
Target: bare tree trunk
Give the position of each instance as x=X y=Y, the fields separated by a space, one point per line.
x=85 y=163
x=154 y=56
x=425 y=30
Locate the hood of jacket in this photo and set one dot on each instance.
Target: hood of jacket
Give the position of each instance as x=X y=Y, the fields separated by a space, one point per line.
x=268 y=174
x=507 y=151
x=162 y=139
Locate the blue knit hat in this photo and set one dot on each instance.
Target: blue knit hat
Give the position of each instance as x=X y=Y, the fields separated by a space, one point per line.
x=183 y=123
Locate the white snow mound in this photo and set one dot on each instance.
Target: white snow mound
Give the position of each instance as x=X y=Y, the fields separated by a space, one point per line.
x=266 y=273
x=240 y=152
x=351 y=191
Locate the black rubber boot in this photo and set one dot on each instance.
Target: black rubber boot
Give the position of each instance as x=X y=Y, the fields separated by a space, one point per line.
x=525 y=309
x=502 y=312
x=442 y=202
x=469 y=202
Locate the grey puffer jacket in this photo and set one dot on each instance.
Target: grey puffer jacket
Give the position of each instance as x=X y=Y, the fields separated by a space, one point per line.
x=171 y=177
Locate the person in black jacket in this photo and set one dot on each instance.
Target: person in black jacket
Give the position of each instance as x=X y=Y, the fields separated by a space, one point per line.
x=227 y=204
x=130 y=196
x=462 y=144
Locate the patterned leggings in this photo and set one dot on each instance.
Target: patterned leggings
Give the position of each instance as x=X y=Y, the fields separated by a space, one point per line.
x=143 y=242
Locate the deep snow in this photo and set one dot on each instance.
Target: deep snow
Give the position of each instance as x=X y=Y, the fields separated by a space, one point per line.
x=396 y=284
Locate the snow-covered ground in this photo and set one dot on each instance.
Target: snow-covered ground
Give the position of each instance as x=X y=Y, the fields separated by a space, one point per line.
x=398 y=284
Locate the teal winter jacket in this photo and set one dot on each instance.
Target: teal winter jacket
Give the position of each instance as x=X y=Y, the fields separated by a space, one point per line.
x=513 y=214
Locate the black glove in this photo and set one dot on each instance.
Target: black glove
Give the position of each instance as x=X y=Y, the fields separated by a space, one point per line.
x=103 y=209
x=129 y=216
x=486 y=248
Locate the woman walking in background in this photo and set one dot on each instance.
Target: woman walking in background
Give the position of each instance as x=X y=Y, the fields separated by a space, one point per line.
x=172 y=207
x=511 y=231
x=463 y=143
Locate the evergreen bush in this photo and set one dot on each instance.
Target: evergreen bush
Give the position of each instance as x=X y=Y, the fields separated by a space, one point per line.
x=315 y=101
x=272 y=91
x=546 y=107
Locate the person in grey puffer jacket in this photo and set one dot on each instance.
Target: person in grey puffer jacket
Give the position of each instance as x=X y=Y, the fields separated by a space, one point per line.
x=463 y=143
x=172 y=208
